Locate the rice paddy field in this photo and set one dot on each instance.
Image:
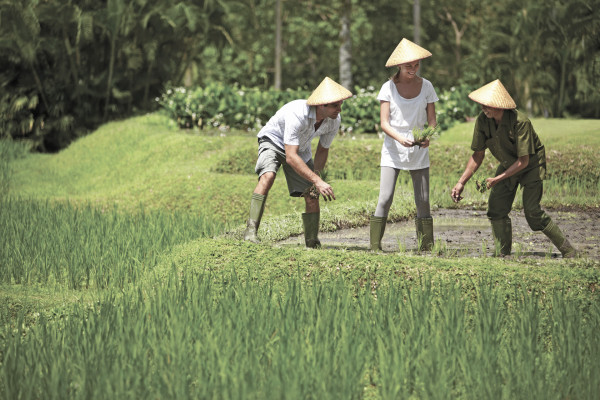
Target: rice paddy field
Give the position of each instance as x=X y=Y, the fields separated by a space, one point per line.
x=122 y=276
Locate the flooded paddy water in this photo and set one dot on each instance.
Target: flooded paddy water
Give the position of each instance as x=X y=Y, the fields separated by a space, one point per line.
x=467 y=233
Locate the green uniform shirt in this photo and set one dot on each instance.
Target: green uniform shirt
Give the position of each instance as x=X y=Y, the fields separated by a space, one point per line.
x=514 y=137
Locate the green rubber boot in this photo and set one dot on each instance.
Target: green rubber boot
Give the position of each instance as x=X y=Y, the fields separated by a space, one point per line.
x=311 y=229
x=257 y=207
x=376 y=232
x=502 y=233
x=424 y=233
x=559 y=240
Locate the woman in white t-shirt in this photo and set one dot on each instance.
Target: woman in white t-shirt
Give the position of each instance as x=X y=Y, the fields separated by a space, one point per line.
x=407 y=103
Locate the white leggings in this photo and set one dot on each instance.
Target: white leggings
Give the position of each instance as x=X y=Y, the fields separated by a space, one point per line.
x=387 y=186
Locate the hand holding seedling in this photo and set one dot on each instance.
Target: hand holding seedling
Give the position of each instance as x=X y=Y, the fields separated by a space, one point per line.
x=481 y=186
x=491 y=182
x=325 y=189
x=484 y=184
x=320 y=187
x=424 y=144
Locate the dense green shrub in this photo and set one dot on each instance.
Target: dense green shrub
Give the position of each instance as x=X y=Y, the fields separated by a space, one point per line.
x=222 y=106
x=455 y=106
x=361 y=112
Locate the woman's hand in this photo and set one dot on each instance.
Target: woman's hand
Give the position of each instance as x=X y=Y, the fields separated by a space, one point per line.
x=384 y=115
x=406 y=142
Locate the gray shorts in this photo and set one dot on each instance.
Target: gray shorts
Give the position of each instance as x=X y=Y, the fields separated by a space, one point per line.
x=271 y=157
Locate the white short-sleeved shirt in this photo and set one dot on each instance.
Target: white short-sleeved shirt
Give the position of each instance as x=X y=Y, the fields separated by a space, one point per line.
x=406 y=114
x=294 y=124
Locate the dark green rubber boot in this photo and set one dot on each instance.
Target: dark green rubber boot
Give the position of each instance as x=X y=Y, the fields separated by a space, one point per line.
x=559 y=240
x=376 y=231
x=311 y=229
x=502 y=233
x=257 y=207
x=424 y=233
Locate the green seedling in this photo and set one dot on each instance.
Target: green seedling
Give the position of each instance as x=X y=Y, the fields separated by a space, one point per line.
x=440 y=248
x=401 y=247
x=481 y=185
x=484 y=248
x=519 y=250
x=421 y=135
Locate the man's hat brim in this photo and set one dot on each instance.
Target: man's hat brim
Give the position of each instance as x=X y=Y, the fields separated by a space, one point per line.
x=328 y=91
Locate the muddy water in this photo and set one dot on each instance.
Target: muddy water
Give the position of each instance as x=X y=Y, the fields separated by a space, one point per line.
x=462 y=232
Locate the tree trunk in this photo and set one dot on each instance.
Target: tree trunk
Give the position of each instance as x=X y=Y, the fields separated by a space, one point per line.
x=561 y=88
x=527 y=98
x=72 y=64
x=147 y=84
x=346 y=47
x=417 y=27
x=111 y=69
x=277 y=83
x=457 y=50
x=40 y=88
x=417 y=21
x=458 y=35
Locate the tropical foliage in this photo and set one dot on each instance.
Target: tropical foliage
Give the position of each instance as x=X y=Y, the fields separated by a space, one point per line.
x=68 y=66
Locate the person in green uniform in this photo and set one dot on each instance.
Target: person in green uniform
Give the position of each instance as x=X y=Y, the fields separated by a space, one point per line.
x=510 y=137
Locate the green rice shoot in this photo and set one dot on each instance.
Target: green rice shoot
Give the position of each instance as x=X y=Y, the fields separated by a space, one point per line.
x=427 y=133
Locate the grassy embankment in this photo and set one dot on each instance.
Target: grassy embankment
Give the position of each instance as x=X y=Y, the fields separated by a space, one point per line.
x=122 y=292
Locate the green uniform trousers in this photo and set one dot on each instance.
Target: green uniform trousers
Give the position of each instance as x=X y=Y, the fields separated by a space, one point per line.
x=503 y=195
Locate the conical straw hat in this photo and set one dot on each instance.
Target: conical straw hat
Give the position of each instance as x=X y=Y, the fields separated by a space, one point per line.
x=493 y=95
x=327 y=92
x=406 y=51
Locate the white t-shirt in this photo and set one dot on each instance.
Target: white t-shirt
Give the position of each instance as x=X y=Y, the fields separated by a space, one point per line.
x=406 y=114
x=294 y=124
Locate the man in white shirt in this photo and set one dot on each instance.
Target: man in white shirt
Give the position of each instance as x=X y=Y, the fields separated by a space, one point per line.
x=286 y=140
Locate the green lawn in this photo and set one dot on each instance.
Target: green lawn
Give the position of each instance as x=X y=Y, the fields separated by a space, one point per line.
x=146 y=160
